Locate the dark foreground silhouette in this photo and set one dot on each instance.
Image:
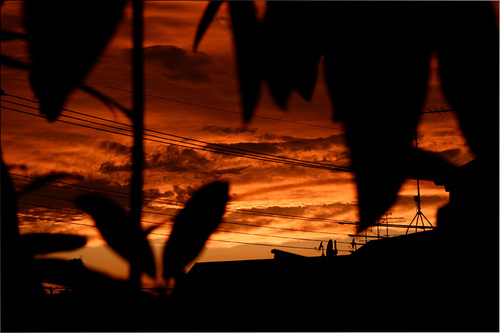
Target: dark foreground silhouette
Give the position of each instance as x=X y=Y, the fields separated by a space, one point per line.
x=376 y=59
x=429 y=281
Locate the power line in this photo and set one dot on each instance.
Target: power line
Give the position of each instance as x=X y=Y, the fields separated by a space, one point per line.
x=172 y=215
x=156 y=233
x=119 y=194
x=182 y=141
x=170 y=223
x=224 y=147
x=216 y=109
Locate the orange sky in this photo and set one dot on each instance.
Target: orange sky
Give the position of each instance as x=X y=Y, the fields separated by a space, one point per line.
x=195 y=95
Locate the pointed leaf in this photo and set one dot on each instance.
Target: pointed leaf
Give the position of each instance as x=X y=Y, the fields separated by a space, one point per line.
x=65 y=39
x=119 y=231
x=208 y=15
x=378 y=98
x=469 y=71
x=40 y=181
x=245 y=31
x=194 y=224
x=291 y=39
x=45 y=243
x=110 y=103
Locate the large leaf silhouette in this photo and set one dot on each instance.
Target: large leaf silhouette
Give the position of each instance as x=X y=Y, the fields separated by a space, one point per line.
x=244 y=23
x=377 y=79
x=42 y=180
x=291 y=36
x=65 y=38
x=208 y=15
x=468 y=66
x=118 y=229
x=192 y=227
x=376 y=59
x=245 y=33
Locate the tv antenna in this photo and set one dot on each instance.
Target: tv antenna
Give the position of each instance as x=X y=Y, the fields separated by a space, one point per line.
x=419 y=216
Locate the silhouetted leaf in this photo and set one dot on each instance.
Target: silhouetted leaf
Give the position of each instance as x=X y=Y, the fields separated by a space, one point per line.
x=40 y=181
x=291 y=33
x=45 y=243
x=118 y=229
x=110 y=103
x=65 y=39
x=193 y=225
x=244 y=22
x=468 y=66
x=426 y=165
x=378 y=97
x=207 y=18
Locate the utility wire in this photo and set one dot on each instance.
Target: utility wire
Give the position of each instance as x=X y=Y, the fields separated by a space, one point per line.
x=119 y=194
x=214 y=108
x=172 y=215
x=170 y=223
x=195 y=144
x=156 y=233
x=225 y=147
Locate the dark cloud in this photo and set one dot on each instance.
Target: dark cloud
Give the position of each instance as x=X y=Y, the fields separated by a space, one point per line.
x=288 y=144
x=313 y=144
x=177 y=64
x=171 y=159
x=111 y=167
x=259 y=147
x=274 y=137
x=183 y=193
x=115 y=147
x=262 y=216
x=174 y=159
x=227 y=130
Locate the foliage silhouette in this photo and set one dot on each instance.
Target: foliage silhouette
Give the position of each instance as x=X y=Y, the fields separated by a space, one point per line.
x=376 y=62
x=292 y=50
x=40 y=181
x=244 y=23
x=60 y=58
x=373 y=71
x=64 y=41
x=192 y=227
x=121 y=233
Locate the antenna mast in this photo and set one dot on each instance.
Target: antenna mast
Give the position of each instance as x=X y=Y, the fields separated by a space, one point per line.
x=419 y=216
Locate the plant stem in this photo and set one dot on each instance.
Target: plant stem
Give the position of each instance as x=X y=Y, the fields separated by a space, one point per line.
x=138 y=123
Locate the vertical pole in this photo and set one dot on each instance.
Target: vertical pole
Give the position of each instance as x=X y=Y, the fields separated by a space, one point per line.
x=418 y=184
x=137 y=112
x=138 y=124
x=387 y=225
x=418 y=179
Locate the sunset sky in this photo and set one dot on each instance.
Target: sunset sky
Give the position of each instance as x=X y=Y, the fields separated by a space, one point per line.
x=195 y=96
